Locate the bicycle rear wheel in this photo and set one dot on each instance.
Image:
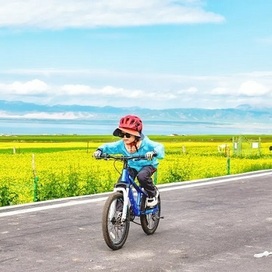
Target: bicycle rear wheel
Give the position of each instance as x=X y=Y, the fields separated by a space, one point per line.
x=150 y=221
x=115 y=232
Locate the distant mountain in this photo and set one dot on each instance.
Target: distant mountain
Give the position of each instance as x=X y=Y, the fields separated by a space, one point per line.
x=242 y=113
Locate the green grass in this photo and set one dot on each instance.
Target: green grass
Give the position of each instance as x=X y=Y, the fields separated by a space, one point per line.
x=40 y=150
x=55 y=138
x=105 y=138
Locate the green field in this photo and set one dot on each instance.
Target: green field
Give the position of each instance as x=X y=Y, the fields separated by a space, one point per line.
x=63 y=165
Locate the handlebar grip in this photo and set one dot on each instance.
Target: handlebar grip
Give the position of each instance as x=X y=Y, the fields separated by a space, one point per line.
x=104 y=156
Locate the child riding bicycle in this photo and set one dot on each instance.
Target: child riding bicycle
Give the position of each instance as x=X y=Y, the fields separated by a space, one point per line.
x=134 y=142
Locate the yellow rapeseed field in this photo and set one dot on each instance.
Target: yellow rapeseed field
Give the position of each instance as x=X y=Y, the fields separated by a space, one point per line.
x=68 y=168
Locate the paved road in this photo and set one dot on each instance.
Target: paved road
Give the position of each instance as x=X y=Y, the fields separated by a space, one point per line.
x=210 y=225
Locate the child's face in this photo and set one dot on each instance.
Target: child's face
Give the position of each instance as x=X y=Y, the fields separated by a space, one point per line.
x=128 y=138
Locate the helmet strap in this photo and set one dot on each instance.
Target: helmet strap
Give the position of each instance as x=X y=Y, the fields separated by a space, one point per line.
x=134 y=143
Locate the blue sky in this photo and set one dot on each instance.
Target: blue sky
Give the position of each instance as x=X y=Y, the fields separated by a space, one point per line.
x=151 y=54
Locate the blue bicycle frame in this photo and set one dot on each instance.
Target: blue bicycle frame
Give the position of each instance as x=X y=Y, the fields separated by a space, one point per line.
x=126 y=185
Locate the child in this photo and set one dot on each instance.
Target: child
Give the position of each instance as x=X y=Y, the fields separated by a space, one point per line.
x=134 y=142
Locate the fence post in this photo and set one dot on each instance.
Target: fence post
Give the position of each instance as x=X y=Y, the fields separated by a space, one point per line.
x=228 y=159
x=228 y=166
x=36 y=180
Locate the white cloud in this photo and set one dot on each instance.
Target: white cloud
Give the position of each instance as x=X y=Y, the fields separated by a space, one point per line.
x=28 y=88
x=190 y=90
x=46 y=115
x=96 y=13
x=142 y=90
x=219 y=91
x=76 y=90
x=112 y=93
x=32 y=87
x=252 y=88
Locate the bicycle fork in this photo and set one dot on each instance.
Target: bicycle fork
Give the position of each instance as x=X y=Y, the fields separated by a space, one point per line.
x=126 y=201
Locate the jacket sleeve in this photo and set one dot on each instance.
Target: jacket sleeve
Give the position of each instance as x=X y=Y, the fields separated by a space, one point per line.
x=111 y=148
x=159 y=149
x=156 y=147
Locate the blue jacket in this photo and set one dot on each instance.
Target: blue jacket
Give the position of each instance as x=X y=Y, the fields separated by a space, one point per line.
x=147 y=145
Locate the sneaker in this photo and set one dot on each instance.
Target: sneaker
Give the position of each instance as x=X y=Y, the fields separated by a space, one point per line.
x=152 y=201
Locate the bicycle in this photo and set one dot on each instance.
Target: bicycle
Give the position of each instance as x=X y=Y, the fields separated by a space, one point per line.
x=127 y=202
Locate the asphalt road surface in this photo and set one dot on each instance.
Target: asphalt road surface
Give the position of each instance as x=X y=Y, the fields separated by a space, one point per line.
x=209 y=225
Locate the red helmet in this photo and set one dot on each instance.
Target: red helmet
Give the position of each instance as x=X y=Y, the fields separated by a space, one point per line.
x=130 y=124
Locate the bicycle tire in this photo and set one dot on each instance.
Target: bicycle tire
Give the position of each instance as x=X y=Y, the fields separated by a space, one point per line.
x=150 y=222
x=115 y=232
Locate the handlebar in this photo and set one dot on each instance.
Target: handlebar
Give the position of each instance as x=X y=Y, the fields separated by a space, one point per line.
x=123 y=158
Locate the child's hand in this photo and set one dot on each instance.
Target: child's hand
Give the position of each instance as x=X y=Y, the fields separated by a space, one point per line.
x=149 y=155
x=97 y=154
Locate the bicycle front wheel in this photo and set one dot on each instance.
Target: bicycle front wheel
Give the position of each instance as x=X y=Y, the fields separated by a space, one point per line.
x=150 y=221
x=115 y=231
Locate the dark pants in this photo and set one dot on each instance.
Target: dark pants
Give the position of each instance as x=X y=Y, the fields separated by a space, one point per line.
x=144 y=178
